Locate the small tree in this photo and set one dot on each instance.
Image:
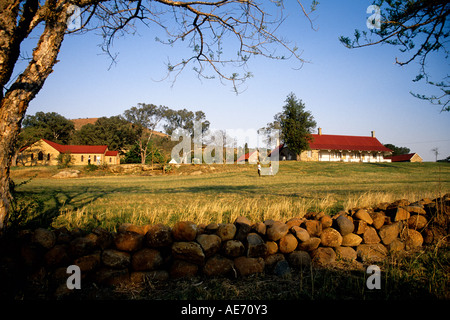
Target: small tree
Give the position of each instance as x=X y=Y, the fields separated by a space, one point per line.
x=133 y=155
x=296 y=125
x=64 y=159
x=145 y=118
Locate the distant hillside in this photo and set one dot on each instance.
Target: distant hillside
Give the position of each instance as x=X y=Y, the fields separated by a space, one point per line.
x=79 y=123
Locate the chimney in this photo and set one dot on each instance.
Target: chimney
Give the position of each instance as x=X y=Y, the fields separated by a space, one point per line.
x=373 y=134
x=320 y=131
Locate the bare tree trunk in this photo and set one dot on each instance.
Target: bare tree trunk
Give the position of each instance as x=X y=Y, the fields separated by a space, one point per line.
x=144 y=148
x=143 y=152
x=15 y=102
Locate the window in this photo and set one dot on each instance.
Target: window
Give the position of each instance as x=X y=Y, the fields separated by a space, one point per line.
x=40 y=156
x=95 y=158
x=82 y=158
x=309 y=153
x=48 y=156
x=110 y=159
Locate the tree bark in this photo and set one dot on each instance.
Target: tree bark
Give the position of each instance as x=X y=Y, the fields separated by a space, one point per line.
x=16 y=99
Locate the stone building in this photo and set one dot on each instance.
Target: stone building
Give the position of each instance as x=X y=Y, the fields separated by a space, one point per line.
x=410 y=157
x=330 y=147
x=45 y=152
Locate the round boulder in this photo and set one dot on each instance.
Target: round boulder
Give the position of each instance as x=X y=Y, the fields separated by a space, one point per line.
x=370 y=236
x=323 y=256
x=115 y=259
x=300 y=233
x=299 y=259
x=309 y=245
x=217 y=265
x=256 y=247
x=417 y=222
x=233 y=248
x=44 y=237
x=389 y=233
x=146 y=259
x=363 y=215
x=247 y=266
x=351 y=240
x=288 y=243
x=184 y=231
x=413 y=239
x=276 y=231
x=331 y=238
x=128 y=241
x=344 y=225
x=346 y=253
x=226 y=231
x=159 y=235
x=188 y=251
x=210 y=243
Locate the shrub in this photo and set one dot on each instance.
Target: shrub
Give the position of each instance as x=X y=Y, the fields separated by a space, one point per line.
x=91 y=167
x=64 y=160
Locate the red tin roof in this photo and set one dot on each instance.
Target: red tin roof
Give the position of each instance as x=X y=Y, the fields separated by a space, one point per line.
x=111 y=153
x=245 y=156
x=77 y=148
x=352 y=143
x=401 y=157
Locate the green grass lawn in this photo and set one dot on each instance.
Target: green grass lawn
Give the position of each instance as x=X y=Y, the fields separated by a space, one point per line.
x=218 y=195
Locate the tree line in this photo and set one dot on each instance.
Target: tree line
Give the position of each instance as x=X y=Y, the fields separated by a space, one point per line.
x=132 y=133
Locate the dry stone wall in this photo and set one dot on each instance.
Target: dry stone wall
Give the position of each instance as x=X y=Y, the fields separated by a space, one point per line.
x=158 y=252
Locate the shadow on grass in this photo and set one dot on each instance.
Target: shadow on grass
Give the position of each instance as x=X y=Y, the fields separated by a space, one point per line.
x=39 y=207
x=384 y=165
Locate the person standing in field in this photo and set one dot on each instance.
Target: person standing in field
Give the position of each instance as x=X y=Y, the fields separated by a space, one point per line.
x=259 y=169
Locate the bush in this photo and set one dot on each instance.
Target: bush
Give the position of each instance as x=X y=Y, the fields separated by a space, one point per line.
x=64 y=160
x=26 y=211
x=91 y=167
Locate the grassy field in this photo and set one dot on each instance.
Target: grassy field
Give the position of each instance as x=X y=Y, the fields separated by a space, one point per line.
x=219 y=194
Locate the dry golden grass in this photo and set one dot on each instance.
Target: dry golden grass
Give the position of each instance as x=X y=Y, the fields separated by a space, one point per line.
x=371 y=199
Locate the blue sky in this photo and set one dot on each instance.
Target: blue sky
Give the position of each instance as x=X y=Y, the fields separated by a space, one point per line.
x=349 y=92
